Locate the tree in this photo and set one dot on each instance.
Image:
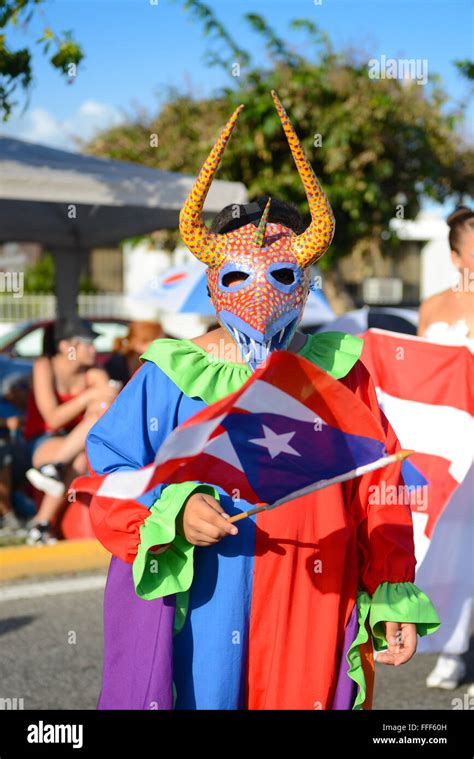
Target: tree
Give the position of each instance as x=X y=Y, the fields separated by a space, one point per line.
x=15 y=65
x=377 y=145
x=40 y=277
x=466 y=67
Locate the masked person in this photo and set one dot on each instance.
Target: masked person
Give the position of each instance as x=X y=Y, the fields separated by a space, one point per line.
x=280 y=612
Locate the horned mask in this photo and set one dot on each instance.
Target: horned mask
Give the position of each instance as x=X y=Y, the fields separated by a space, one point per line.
x=258 y=277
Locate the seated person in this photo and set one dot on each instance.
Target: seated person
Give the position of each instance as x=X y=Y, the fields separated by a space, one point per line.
x=13 y=455
x=69 y=394
x=125 y=359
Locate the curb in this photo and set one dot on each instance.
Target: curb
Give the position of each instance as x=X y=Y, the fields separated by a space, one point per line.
x=18 y=562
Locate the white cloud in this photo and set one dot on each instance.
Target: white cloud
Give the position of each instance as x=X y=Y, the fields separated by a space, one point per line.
x=41 y=126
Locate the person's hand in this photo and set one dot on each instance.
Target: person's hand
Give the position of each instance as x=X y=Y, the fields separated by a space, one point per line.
x=13 y=423
x=401 y=639
x=203 y=521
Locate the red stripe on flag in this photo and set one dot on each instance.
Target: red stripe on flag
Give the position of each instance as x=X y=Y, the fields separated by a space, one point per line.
x=439 y=490
x=420 y=371
x=313 y=387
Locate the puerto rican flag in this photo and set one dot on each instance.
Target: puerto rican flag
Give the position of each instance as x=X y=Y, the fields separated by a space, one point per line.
x=290 y=426
x=427 y=393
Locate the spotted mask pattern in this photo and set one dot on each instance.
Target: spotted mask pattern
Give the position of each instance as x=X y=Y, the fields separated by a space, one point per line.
x=258 y=277
x=262 y=310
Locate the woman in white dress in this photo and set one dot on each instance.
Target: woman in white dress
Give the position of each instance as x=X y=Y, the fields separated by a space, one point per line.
x=447 y=571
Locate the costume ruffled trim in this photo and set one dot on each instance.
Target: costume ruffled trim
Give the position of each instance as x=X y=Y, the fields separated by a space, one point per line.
x=401 y=602
x=391 y=602
x=199 y=374
x=168 y=571
x=195 y=371
x=335 y=352
x=355 y=671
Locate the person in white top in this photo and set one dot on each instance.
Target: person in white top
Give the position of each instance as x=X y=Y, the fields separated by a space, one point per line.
x=448 y=318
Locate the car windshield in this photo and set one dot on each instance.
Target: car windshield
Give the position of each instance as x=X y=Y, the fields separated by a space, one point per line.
x=108 y=332
x=12 y=335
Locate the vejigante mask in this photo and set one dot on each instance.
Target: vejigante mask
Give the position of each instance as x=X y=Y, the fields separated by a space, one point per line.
x=258 y=276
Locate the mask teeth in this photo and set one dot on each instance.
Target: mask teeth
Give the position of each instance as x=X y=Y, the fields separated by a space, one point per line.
x=251 y=349
x=275 y=340
x=236 y=335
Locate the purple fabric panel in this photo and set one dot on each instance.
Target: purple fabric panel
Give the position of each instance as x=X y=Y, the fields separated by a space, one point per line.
x=346 y=689
x=138 y=645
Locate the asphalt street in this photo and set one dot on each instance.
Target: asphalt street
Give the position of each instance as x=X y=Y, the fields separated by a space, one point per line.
x=51 y=654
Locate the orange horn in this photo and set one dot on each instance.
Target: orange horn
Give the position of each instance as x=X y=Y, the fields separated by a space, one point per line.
x=206 y=246
x=316 y=239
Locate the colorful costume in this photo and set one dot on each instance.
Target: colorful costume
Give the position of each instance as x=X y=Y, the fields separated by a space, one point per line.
x=280 y=616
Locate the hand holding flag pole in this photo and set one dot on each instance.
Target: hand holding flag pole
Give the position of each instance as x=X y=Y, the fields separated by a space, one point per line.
x=359 y=471
x=291 y=429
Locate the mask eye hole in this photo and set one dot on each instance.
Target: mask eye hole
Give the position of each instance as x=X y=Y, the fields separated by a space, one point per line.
x=234 y=278
x=284 y=275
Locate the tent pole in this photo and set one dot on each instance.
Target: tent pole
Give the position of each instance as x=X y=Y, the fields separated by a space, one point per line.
x=67 y=272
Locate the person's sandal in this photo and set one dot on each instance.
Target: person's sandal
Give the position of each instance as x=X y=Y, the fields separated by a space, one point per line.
x=48 y=478
x=39 y=534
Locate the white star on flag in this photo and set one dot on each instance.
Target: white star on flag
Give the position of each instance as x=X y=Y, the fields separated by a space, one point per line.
x=275 y=443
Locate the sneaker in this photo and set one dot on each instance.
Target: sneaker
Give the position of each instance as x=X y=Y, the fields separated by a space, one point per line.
x=448 y=673
x=39 y=534
x=48 y=478
x=11 y=526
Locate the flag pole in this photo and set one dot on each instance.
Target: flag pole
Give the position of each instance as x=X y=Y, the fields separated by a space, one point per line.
x=357 y=472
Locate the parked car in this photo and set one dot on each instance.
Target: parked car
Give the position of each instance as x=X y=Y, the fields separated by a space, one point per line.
x=29 y=340
x=404 y=320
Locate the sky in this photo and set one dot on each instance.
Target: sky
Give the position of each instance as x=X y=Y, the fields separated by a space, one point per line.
x=135 y=49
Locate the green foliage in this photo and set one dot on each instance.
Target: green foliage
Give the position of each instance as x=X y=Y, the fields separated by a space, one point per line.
x=466 y=68
x=213 y=29
x=15 y=66
x=86 y=286
x=68 y=55
x=39 y=277
x=383 y=142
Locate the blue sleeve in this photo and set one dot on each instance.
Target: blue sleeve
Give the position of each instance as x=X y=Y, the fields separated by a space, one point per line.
x=127 y=437
x=129 y=434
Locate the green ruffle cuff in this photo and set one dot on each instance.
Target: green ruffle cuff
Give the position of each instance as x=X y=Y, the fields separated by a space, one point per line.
x=391 y=602
x=401 y=602
x=171 y=571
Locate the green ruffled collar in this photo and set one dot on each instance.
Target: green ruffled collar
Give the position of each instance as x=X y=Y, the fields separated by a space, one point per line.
x=198 y=374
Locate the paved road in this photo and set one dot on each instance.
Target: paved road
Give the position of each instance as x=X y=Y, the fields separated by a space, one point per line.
x=51 y=656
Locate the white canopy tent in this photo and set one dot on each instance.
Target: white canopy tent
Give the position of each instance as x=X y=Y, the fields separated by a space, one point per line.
x=72 y=203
